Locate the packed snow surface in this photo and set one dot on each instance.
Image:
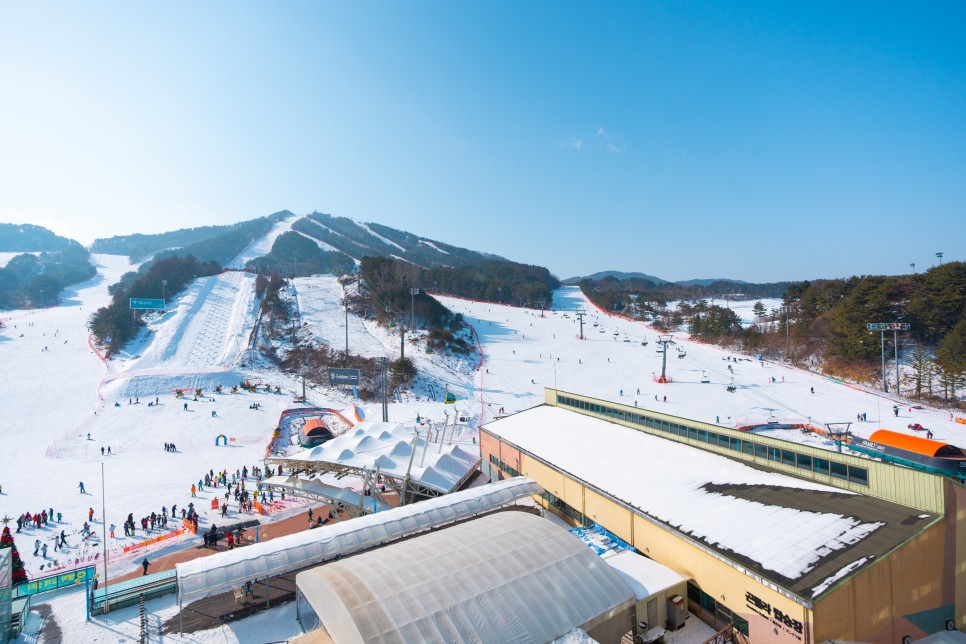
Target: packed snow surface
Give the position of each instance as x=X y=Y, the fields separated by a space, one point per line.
x=63 y=402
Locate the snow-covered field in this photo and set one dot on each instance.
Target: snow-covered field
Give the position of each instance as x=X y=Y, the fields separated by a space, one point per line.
x=6 y=257
x=62 y=402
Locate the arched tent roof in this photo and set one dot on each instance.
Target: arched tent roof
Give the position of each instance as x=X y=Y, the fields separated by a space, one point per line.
x=220 y=572
x=915 y=444
x=314 y=426
x=505 y=577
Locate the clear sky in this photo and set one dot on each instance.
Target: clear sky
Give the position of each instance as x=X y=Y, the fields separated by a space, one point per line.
x=761 y=141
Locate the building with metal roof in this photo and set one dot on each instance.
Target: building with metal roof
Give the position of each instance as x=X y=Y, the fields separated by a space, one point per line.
x=782 y=541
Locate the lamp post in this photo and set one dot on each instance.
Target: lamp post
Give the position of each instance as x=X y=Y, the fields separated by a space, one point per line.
x=940 y=256
x=164 y=285
x=41 y=298
x=913 y=265
x=895 y=327
x=105 y=534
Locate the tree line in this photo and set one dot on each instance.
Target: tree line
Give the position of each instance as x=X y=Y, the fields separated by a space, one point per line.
x=116 y=324
x=823 y=324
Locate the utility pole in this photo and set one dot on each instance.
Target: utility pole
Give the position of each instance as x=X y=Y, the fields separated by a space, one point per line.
x=164 y=285
x=385 y=390
x=413 y=292
x=402 y=341
x=580 y=316
x=345 y=362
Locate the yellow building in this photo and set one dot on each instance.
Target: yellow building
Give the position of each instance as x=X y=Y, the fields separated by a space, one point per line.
x=788 y=542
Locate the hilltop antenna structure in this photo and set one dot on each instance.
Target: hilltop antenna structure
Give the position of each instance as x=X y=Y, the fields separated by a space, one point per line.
x=664 y=341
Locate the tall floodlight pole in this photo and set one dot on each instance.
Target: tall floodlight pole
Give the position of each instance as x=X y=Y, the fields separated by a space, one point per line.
x=104 y=536
x=940 y=256
x=41 y=298
x=413 y=292
x=664 y=341
x=895 y=327
x=499 y=289
x=345 y=361
x=913 y=265
x=164 y=285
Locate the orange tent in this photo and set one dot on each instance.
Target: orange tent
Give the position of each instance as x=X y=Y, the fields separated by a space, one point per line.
x=915 y=444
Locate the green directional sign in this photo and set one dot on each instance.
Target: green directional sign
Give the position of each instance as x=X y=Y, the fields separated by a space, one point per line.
x=147 y=303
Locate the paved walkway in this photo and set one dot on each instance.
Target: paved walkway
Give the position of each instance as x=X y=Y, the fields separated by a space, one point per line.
x=267 y=531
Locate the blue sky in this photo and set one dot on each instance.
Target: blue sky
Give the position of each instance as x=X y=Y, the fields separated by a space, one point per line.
x=759 y=141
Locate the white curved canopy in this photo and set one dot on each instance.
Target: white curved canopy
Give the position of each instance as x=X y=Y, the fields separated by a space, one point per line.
x=505 y=577
x=223 y=571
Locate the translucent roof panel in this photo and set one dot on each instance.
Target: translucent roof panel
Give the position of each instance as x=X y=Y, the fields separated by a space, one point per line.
x=220 y=572
x=505 y=577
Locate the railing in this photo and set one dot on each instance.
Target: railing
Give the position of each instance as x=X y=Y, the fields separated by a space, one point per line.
x=19 y=609
x=53 y=582
x=727 y=635
x=128 y=593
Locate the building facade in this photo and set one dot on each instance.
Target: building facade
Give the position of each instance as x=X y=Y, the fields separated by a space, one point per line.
x=897 y=568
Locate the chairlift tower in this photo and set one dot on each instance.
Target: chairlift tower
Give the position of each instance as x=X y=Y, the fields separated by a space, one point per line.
x=580 y=316
x=839 y=432
x=664 y=341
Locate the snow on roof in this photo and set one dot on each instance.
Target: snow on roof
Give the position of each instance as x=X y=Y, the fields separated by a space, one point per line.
x=388 y=446
x=497 y=578
x=668 y=481
x=646 y=577
x=222 y=571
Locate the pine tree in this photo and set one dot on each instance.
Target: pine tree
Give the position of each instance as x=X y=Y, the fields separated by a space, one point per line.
x=6 y=541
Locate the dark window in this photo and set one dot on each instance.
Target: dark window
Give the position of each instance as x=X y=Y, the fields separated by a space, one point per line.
x=761 y=451
x=747 y=447
x=840 y=471
x=858 y=475
x=821 y=466
x=805 y=462
x=712 y=438
x=692 y=433
x=702 y=436
x=774 y=454
x=694 y=593
x=788 y=457
x=734 y=443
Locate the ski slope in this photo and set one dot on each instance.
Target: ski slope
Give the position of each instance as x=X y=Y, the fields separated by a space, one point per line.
x=263 y=246
x=63 y=404
x=205 y=327
x=525 y=353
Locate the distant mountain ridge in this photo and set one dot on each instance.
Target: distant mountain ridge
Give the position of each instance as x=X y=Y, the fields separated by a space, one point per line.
x=644 y=276
x=27 y=238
